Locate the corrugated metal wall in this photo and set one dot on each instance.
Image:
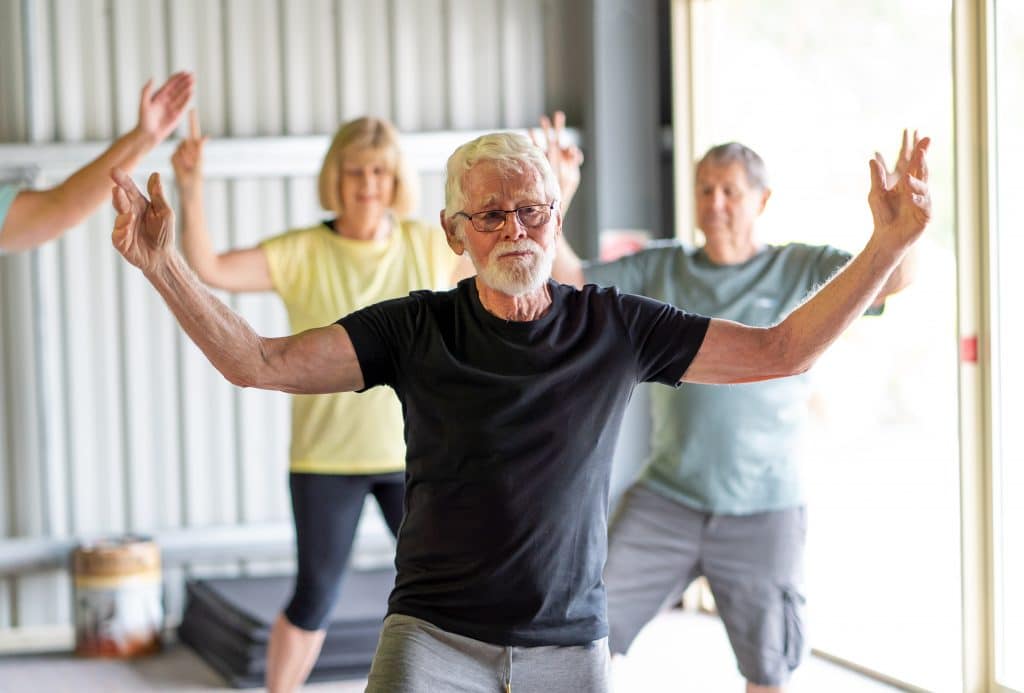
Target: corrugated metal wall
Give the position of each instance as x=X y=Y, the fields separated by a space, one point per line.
x=110 y=420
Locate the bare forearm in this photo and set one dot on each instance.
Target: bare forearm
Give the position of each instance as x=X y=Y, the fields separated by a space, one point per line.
x=225 y=338
x=39 y=216
x=195 y=236
x=805 y=334
x=89 y=187
x=900 y=278
x=313 y=362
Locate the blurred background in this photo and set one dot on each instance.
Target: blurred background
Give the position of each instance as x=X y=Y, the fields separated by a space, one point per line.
x=111 y=422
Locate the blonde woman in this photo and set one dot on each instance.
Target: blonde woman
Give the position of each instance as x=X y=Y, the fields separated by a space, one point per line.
x=343 y=446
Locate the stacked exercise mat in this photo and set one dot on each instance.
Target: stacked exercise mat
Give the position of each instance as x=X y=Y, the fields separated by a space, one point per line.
x=227 y=622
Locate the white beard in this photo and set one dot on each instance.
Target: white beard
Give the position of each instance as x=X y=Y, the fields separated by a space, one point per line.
x=519 y=276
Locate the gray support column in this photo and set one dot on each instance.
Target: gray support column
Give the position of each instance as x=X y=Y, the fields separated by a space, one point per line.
x=623 y=122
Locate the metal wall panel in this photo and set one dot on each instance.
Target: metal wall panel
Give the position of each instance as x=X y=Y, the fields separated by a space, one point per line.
x=112 y=420
x=474 y=44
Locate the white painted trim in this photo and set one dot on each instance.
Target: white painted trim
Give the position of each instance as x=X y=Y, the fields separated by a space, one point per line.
x=177 y=546
x=683 y=117
x=243 y=157
x=972 y=55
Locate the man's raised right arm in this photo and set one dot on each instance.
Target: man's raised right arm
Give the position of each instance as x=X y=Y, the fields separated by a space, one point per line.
x=311 y=362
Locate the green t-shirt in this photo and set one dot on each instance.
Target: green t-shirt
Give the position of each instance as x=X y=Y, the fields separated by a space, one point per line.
x=731 y=449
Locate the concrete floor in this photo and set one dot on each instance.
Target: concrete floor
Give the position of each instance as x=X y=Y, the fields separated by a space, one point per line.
x=678 y=651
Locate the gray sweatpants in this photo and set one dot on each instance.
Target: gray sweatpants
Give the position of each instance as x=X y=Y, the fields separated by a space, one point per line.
x=414 y=656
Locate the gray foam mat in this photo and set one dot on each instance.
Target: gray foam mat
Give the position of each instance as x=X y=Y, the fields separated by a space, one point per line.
x=227 y=622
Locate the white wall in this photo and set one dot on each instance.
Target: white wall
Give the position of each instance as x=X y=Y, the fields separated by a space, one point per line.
x=110 y=420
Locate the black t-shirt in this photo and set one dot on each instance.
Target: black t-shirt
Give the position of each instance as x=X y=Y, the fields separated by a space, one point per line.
x=510 y=429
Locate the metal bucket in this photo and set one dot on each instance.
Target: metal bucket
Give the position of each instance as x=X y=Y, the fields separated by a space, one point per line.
x=118 y=597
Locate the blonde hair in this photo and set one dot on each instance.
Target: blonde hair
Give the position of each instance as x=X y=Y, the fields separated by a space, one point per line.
x=367 y=133
x=510 y=151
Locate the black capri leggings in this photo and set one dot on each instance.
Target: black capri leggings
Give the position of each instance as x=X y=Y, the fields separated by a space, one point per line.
x=326 y=508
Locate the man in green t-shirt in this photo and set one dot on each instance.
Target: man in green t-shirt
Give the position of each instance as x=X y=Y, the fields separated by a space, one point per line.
x=720 y=494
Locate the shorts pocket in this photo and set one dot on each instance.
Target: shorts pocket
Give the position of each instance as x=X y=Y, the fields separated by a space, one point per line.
x=793 y=617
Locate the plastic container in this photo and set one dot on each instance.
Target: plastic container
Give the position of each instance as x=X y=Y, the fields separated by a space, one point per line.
x=118 y=597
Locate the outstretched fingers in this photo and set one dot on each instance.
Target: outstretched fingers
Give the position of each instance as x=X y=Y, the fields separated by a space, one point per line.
x=918 y=161
x=125 y=220
x=176 y=85
x=194 y=133
x=147 y=91
x=126 y=184
x=877 y=168
x=156 y=194
x=915 y=183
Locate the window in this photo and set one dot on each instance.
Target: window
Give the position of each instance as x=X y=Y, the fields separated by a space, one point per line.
x=1008 y=345
x=816 y=86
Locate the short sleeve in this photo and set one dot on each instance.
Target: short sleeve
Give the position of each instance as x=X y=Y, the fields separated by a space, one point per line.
x=628 y=273
x=665 y=339
x=286 y=260
x=7 y=195
x=376 y=333
x=641 y=272
x=829 y=261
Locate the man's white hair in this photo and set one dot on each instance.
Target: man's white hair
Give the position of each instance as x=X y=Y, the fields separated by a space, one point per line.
x=511 y=152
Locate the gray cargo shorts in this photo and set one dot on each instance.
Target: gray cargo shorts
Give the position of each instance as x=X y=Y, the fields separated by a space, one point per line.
x=753 y=564
x=414 y=656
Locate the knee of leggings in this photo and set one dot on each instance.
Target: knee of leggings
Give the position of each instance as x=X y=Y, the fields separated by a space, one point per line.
x=311 y=604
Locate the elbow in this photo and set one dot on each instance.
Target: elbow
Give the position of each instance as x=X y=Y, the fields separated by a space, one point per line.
x=793 y=357
x=204 y=269
x=239 y=379
x=240 y=376
x=253 y=371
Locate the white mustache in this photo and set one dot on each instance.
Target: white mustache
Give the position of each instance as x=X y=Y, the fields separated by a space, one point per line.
x=516 y=247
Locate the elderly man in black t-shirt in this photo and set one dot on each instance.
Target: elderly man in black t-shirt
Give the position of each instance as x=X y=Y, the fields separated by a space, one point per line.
x=513 y=387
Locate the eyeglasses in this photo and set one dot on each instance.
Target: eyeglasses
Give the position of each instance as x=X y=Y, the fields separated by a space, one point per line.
x=530 y=216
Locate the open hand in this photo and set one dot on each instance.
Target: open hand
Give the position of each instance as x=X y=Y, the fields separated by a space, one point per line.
x=187 y=159
x=901 y=205
x=565 y=159
x=902 y=159
x=160 y=112
x=144 y=229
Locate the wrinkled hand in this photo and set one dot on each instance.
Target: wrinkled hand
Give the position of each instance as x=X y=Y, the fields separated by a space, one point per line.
x=565 y=159
x=187 y=159
x=144 y=229
x=160 y=112
x=902 y=209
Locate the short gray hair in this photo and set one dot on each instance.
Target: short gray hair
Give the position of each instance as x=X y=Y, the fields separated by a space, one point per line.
x=734 y=152
x=510 y=151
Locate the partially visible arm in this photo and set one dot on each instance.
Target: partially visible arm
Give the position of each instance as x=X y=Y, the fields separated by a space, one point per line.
x=900 y=278
x=316 y=361
x=905 y=272
x=567 y=268
x=734 y=353
x=565 y=159
x=39 y=216
x=463 y=268
x=235 y=270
